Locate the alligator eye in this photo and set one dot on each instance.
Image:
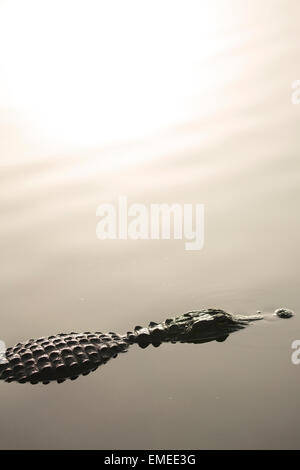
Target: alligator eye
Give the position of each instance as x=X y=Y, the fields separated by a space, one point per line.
x=198 y=324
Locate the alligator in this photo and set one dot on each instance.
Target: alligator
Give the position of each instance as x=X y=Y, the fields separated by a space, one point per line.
x=67 y=356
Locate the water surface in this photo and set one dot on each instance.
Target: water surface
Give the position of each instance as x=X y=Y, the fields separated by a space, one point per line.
x=242 y=161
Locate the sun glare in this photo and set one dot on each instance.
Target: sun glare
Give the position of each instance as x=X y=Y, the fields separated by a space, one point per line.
x=84 y=73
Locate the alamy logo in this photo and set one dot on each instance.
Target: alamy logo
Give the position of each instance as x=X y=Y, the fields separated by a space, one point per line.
x=296 y=92
x=153 y=222
x=3 y=359
x=295 y=358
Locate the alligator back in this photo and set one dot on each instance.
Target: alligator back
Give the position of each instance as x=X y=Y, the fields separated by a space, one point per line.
x=59 y=357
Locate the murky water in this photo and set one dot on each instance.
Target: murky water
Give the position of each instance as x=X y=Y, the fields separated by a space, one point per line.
x=242 y=161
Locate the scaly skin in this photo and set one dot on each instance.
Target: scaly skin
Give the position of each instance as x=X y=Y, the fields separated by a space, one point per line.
x=60 y=357
x=69 y=355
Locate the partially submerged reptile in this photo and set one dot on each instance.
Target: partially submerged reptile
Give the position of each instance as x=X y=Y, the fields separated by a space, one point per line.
x=69 y=355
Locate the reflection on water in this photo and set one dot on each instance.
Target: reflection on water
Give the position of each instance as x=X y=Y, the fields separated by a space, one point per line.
x=241 y=159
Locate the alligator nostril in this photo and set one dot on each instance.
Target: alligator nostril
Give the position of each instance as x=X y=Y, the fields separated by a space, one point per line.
x=284 y=313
